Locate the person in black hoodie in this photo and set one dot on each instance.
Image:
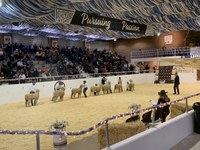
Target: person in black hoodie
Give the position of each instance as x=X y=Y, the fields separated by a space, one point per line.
x=163 y=98
x=176 y=84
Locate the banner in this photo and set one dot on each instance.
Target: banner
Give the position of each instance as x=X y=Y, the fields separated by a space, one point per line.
x=95 y=21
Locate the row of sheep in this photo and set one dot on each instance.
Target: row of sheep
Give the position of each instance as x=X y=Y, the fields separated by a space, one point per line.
x=32 y=99
x=106 y=88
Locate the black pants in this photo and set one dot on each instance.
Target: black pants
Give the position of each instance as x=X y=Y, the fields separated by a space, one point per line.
x=176 y=88
x=165 y=113
x=84 y=91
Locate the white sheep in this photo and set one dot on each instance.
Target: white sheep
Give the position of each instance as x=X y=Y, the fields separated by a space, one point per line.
x=96 y=89
x=76 y=90
x=107 y=88
x=118 y=87
x=58 y=93
x=33 y=97
x=131 y=87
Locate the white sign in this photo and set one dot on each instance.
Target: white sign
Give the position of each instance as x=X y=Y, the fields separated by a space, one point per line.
x=64 y=16
x=168 y=39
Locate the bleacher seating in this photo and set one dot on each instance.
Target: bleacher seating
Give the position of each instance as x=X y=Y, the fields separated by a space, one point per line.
x=164 y=74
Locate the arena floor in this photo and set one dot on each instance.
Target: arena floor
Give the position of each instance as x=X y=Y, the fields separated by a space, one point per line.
x=80 y=113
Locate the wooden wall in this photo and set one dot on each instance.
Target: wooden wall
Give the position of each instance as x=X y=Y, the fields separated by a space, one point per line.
x=125 y=46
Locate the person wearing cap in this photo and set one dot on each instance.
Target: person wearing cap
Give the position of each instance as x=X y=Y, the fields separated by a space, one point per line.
x=163 y=98
x=176 y=83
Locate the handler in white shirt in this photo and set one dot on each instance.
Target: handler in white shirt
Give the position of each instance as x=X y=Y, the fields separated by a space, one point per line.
x=32 y=88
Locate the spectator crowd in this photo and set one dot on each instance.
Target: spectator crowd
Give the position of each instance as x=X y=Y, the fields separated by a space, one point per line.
x=19 y=61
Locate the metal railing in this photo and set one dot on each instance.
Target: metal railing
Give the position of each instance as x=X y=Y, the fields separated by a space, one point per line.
x=179 y=51
x=132 y=113
x=65 y=77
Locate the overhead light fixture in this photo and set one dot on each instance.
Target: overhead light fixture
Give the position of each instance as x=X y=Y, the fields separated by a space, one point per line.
x=72 y=34
x=54 y=36
x=0 y=3
x=4 y=31
x=30 y=34
x=158 y=34
x=50 y=30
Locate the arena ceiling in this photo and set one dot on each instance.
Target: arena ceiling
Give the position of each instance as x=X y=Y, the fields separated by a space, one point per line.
x=37 y=17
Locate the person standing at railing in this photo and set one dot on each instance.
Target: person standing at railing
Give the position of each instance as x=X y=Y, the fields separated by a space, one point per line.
x=176 y=84
x=163 y=98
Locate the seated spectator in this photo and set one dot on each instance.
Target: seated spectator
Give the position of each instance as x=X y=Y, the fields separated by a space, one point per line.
x=22 y=77
x=1 y=75
x=20 y=64
x=1 y=54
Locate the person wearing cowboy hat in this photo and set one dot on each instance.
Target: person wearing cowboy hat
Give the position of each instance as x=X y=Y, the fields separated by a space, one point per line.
x=164 y=99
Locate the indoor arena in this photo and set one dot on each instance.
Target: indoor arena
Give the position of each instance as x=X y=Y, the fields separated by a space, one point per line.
x=91 y=75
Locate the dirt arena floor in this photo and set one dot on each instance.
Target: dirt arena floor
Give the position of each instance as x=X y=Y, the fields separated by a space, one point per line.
x=80 y=113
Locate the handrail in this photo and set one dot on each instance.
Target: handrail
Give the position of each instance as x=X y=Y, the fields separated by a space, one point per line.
x=136 y=112
x=68 y=77
x=175 y=51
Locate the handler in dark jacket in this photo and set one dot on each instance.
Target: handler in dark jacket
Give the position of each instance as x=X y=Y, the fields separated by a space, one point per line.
x=163 y=98
x=176 y=84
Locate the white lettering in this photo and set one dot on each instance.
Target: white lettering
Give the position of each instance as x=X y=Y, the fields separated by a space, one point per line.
x=84 y=18
x=94 y=21
x=130 y=27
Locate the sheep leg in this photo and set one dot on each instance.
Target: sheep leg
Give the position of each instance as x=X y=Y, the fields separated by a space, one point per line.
x=61 y=98
x=29 y=103
x=71 y=95
x=74 y=95
x=32 y=102
x=26 y=103
x=35 y=102
x=55 y=98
